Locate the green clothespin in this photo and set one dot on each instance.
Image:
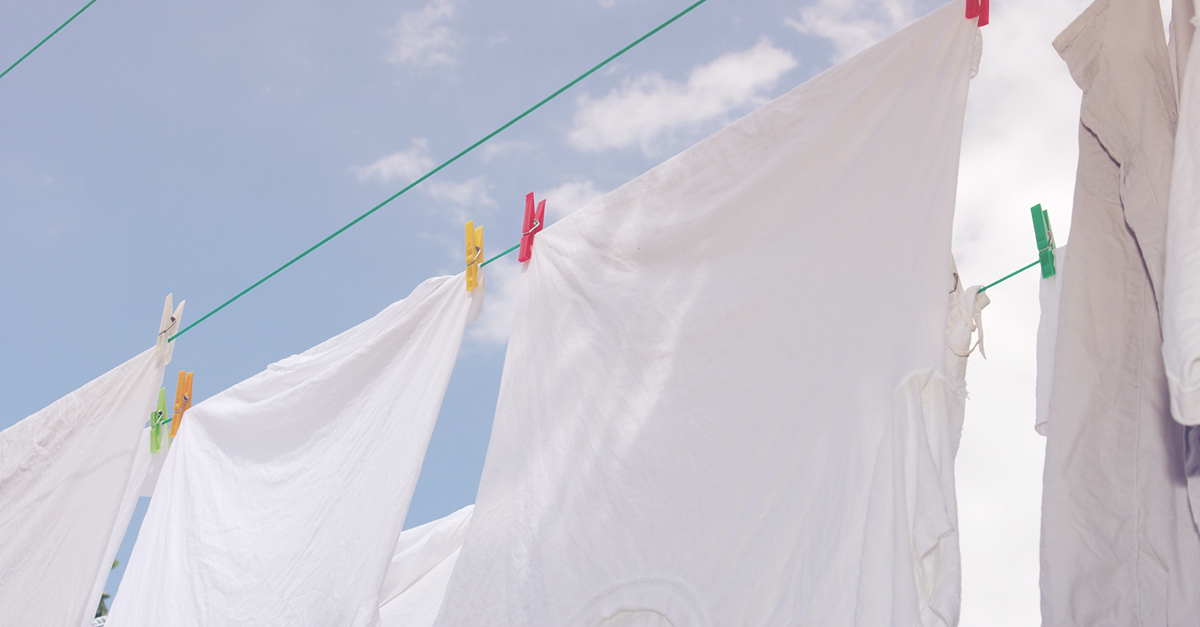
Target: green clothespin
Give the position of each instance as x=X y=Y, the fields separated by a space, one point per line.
x=1045 y=239
x=157 y=420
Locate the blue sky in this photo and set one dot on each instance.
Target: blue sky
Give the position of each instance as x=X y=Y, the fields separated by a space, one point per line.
x=193 y=147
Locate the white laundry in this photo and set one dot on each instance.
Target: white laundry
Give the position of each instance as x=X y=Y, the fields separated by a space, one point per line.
x=1181 y=293
x=416 y=580
x=1049 y=297
x=282 y=497
x=725 y=398
x=1119 y=546
x=143 y=474
x=1181 y=313
x=63 y=478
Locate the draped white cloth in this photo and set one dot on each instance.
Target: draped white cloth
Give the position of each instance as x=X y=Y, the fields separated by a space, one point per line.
x=726 y=398
x=283 y=497
x=63 y=487
x=420 y=569
x=1119 y=546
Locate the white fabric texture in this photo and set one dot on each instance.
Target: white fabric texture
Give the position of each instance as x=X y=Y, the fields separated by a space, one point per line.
x=704 y=417
x=1181 y=294
x=1119 y=546
x=1181 y=313
x=416 y=580
x=63 y=475
x=1049 y=297
x=143 y=474
x=283 y=496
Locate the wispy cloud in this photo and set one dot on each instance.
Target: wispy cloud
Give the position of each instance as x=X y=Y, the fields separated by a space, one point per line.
x=405 y=165
x=569 y=197
x=853 y=25
x=467 y=194
x=422 y=38
x=461 y=197
x=646 y=107
x=608 y=4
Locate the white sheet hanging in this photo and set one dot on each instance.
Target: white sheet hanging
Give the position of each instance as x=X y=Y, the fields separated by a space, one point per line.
x=1119 y=546
x=724 y=400
x=282 y=498
x=63 y=475
x=420 y=569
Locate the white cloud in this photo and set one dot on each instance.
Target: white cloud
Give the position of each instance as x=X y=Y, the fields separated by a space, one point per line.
x=608 y=4
x=421 y=38
x=405 y=165
x=644 y=108
x=568 y=198
x=853 y=25
x=496 y=148
x=468 y=194
x=463 y=197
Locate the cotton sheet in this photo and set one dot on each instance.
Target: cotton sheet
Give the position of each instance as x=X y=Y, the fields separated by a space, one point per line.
x=725 y=396
x=420 y=569
x=282 y=498
x=63 y=478
x=1119 y=546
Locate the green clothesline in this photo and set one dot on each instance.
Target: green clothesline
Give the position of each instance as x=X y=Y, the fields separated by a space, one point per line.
x=444 y=164
x=1009 y=276
x=47 y=38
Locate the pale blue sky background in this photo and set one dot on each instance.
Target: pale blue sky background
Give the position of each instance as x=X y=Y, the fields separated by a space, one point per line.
x=192 y=147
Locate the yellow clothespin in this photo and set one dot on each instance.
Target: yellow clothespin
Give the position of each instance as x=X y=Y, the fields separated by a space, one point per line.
x=183 y=400
x=474 y=255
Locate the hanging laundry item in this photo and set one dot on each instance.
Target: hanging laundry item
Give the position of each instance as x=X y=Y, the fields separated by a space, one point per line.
x=416 y=580
x=63 y=480
x=142 y=477
x=1049 y=297
x=1119 y=546
x=283 y=497
x=724 y=400
x=1181 y=293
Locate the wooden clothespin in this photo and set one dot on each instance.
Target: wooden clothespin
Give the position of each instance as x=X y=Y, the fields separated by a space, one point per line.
x=534 y=219
x=474 y=237
x=183 y=400
x=157 y=418
x=979 y=9
x=1045 y=239
x=168 y=327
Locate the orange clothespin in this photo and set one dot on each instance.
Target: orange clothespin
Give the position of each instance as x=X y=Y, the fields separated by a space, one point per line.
x=474 y=236
x=183 y=400
x=530 y=226
x=979 y=9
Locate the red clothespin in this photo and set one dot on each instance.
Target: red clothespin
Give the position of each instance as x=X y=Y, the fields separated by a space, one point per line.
x=980 y=9
x=534 y=220
x=183 y=400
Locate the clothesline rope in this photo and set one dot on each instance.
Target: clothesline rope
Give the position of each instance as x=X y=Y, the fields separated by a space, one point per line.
x=444 y=164
x=39 y=45
x=1009 y=276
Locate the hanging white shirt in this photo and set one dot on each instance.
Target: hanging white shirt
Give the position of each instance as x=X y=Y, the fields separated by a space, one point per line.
x=724 y=399
x=1119 y=546
x=63 y=477
x=282 y=498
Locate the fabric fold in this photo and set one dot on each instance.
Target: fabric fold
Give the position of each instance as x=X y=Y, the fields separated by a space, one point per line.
x=63 y=478
x=283 y=496
x=1118 y=545
x=703 y=418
